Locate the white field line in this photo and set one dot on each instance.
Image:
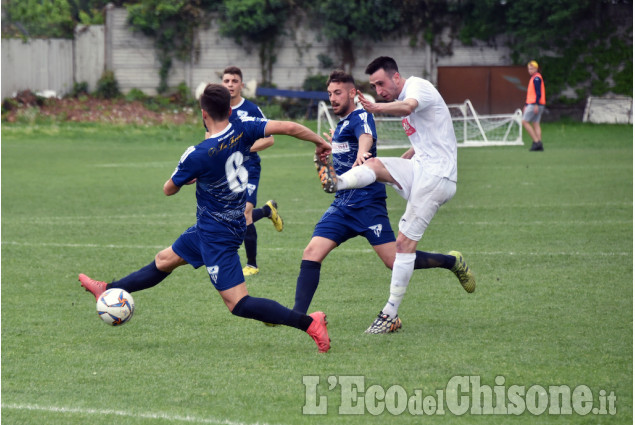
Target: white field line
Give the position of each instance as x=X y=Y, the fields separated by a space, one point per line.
x=153 y=219
x=309 y=156
x=81 y=245
x=340 y=249
x=139 y=221
x=155 y=164
x=398 y=209
x=172 y=164
x=107 y=412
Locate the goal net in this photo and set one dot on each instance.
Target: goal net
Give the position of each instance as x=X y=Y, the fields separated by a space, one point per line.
x=470 y=128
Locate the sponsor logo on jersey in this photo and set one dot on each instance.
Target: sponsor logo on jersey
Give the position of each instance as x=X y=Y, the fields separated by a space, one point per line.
x=222 y=145
x=343 y=126
x=340 y=147
x=213 y=273
x=409 y=129
x=241 y=113
x=376 y=229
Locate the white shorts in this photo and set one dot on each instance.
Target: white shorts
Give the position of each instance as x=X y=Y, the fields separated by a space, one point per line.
x=424 y=192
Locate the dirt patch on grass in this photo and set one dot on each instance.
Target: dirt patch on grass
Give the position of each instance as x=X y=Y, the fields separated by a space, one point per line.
x=28 y=107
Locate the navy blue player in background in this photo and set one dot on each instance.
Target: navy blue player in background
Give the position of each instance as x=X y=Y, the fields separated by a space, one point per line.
x=216 y=166
x=354 y=212
x=233 y=80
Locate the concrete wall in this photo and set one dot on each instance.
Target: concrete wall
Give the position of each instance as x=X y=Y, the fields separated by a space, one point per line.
x=130 y=55
x=134 y=62
x=53 y=64
x=36 y=65
x=57 y=64
x=89 y=54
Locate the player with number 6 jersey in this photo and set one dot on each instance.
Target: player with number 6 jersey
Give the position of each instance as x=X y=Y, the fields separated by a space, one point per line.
x=221 y=178
x=216 y=166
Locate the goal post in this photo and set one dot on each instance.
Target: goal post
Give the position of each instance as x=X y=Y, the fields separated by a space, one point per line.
x=326 y=119
x=470 y=128
x=609 y=110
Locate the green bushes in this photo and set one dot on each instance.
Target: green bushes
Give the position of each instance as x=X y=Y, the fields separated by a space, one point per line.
x=107 y=86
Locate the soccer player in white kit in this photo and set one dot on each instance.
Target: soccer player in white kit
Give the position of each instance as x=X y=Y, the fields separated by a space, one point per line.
x=425 y=175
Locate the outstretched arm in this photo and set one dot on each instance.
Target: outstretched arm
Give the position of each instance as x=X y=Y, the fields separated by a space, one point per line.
x=290 y=128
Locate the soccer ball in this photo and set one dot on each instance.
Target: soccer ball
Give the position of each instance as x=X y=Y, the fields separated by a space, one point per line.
x=115 y=306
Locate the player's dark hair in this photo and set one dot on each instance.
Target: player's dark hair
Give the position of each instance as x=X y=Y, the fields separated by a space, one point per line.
x=233 y=70
x=339 y=76
x=215 y=101
x=386 y=63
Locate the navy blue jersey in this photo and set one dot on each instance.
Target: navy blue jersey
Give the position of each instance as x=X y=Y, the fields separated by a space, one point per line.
x=345 y=146
x=218 y=165
x=247 y=108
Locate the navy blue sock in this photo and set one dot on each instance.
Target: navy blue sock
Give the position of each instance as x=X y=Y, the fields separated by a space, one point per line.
x=251 y=245
x=143 y=278
x=258 y=213
x=270 y=311
x=430 y=260
x=307 y=284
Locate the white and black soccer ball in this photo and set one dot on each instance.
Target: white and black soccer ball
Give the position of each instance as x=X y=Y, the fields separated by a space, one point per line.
x=115 y=306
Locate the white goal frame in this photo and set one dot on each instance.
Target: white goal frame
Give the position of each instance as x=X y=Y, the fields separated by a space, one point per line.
x=471 y=129
x=609 y=110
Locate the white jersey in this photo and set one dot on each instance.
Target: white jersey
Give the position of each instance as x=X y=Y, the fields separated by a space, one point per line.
x=429 y=129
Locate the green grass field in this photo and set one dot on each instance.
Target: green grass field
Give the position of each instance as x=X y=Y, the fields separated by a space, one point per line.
x=549 y=236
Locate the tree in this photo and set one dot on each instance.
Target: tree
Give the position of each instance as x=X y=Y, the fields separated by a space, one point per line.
x=49 y=18
x=436 y=22
x=37 y=18
x=347 y=24
x=577 y=41
x=88 y=12
x=259 y=22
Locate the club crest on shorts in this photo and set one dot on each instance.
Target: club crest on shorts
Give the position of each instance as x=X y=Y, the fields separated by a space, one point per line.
x=213 y=273
x=376 y=229
x=251 y=188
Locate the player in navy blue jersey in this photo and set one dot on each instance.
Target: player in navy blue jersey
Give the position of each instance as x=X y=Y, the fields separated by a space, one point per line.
x=354 y=212
x=216 y=166
x=233 y=80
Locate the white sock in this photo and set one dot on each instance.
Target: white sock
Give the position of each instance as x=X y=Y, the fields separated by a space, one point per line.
x=402 y=271
x=356 y=177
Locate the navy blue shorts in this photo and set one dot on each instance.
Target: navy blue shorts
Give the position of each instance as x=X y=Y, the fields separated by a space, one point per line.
x=219 y=255
x=340 y=224
x=252 y=182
